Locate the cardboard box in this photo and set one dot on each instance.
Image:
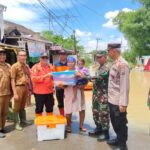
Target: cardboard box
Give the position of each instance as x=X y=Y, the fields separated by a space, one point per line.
x=64 y=78
x=50 y=127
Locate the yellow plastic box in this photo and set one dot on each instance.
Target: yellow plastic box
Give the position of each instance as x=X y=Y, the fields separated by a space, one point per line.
x=50 y=127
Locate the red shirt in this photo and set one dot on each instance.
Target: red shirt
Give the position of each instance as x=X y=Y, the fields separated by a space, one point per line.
x=42 y=85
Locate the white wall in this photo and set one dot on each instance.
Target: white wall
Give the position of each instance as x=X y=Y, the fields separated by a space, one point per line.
x=2 y=9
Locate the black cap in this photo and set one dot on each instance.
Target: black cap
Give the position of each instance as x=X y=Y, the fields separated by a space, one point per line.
x=44 y=54
x=2 y=50
x=62 y=52
x=114 y=45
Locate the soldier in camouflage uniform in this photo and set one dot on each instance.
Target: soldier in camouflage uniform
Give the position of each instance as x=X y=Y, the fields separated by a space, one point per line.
x=100 y=99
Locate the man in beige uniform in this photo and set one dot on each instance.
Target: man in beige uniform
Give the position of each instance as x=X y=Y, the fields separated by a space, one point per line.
x=118 y=94
x=5 y=90
x=20 y=75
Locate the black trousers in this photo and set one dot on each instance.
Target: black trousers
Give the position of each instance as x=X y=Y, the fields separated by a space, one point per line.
x=44 y=99
x=60 y=97
x=119 y=123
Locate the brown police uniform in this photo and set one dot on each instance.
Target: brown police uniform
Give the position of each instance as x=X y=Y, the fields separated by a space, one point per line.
x=21 y=73
x=5 y=92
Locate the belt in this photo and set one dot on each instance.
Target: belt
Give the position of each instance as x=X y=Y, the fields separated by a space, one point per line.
x=21 y=85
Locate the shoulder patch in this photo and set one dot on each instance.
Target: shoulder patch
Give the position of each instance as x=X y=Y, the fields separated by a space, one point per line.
x=122 y=68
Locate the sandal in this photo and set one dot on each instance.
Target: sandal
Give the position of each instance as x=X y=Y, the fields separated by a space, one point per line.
x=82 y=129
x=68 y=129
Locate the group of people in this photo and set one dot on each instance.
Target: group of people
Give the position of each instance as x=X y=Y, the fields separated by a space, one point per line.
x=110 y=92
x=14 y=81
x=110 y=97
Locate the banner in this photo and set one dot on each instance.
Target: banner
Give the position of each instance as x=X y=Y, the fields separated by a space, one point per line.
x=35 y=48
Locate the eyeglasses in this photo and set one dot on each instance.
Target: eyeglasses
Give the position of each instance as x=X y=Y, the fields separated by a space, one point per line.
x=22 y=55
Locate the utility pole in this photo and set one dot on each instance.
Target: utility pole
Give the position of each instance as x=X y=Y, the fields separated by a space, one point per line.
x=98 y=39
x=75 y=44
x=2 y=9
x=50 y=20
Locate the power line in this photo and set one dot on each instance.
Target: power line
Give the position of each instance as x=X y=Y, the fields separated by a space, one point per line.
x=84 y=22
x=78 y=21
x=49 y=18
x=53 y=15
x=90 y=9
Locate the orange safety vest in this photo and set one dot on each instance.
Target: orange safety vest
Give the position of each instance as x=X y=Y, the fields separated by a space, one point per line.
x=42 y=85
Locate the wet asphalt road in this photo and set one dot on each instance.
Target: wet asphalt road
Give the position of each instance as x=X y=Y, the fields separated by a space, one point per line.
x=138 y=116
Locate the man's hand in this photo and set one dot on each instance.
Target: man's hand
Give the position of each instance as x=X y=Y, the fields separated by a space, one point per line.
x=48 y=75
x=60 y=85
x=122 y=109
x=101 y=78
x=78 y=74
x=16 y=97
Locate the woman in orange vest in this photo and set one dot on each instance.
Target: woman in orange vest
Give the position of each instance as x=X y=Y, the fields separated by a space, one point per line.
x=43 y=85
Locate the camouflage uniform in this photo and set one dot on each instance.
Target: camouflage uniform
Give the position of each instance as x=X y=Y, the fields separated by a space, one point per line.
x=100 y=98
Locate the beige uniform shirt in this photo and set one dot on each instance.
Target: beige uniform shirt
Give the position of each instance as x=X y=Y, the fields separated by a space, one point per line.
x=5 y=82
x=21 y=73
x=118 y=87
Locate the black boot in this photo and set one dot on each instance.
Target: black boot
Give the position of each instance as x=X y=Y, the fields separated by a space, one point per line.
x=2 y=135
x=113 y=142
x=104 y=136
x=122 y=147
x=97 y=131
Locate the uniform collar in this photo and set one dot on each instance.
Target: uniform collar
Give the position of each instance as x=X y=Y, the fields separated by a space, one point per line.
x=119 y=58
x=21 y=64
x=3 y=64
x=63 y=63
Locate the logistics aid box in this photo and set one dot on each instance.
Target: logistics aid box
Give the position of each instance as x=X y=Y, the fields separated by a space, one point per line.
x=50 y=127
x=64 y=78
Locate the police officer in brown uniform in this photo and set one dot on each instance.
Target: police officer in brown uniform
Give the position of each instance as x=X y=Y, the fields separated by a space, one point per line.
x=118 y=95
x=5 y=90
x=20 y=78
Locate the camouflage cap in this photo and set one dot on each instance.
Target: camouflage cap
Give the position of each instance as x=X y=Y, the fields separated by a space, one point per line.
x=101 y=53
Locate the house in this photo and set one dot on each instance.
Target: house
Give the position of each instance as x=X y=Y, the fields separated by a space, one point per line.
x=32 y=42
x=11 y=52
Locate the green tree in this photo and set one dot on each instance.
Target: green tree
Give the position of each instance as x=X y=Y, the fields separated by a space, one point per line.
x=67 y=43
x=136 y=27
x=130 y=56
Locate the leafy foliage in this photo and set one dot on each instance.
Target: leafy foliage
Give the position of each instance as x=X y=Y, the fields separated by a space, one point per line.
x=136 y=27
x=67 y=43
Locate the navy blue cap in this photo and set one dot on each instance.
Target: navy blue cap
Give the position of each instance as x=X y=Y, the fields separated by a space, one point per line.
x=114 y=45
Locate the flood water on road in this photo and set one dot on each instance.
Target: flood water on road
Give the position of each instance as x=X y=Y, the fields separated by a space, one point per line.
x=138 y=112
x=138 y=131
